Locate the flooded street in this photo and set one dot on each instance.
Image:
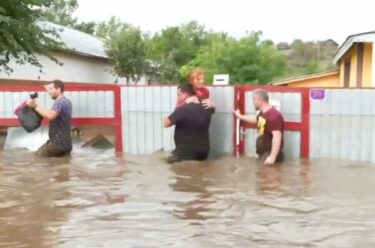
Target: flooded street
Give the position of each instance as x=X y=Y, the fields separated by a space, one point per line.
x=96 y=200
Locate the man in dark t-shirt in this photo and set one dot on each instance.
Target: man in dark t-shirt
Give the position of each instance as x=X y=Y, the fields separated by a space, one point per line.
x=192 y=123
x=59 y=143
x=270 y=126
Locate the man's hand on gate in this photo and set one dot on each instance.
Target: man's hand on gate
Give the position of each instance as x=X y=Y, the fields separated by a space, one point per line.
x=237 y=113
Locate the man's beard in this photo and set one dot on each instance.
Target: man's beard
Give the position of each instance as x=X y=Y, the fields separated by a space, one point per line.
x=54 y=97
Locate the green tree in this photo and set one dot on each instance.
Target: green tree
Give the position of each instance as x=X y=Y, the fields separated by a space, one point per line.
x=213 y=58
x=86 y=27
x=312 y=67
x=302 y=53
x=248 y=60
x=61 y=12
x=21 y=37
x=254 y=61
x=127 y=50
x=175 y=47
x=108 y=29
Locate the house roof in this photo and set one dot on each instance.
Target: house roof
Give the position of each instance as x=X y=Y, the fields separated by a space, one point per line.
x=76 y=41
x=348 y=43
x=299 y=79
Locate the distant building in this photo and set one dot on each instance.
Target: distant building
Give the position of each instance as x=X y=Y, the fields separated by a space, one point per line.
x=356 y=61
x=283 y=46
x=330 y=42
x=83 y=61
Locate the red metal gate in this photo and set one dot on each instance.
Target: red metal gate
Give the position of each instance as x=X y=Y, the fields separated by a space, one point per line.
x=303 y=126
x=115 y=120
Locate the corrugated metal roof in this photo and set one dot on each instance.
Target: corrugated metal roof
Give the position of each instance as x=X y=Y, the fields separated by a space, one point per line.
x=77 y=41
x=363 y=37
x=304 y=77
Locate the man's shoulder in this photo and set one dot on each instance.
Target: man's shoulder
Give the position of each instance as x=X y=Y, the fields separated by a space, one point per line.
x=275 y=114
x=64 y=100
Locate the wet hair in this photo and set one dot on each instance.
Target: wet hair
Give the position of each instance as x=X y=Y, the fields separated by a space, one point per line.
x=58 y=84
x=187 y=88
x=262 y=93
x=194 y=74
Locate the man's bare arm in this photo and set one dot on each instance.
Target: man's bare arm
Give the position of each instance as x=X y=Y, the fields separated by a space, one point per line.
x=48 y=114
x=245 y=118
x=276 y=144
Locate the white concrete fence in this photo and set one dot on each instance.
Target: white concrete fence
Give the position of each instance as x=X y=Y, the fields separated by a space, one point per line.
x=144 y=108
x=341 y=125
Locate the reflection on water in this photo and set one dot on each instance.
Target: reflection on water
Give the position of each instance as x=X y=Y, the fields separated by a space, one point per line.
x=93 y=199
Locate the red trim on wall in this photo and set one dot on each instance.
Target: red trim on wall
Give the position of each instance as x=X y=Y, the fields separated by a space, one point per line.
x=290 y=126
x=13 y=122
x=68 y=87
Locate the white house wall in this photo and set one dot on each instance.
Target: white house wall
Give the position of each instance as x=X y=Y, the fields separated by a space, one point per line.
x=75 y=68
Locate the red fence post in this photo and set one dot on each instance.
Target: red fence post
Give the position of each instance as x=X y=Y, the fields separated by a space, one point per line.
x=236 y=98
x=118 y=118
x=242 y=109
x=239 y=103
x=303 y=127
x=305 y=119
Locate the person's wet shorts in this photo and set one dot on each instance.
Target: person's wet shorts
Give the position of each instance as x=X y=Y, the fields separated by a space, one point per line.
x=51 y=150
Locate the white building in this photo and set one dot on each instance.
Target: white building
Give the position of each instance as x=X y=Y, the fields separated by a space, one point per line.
x=84 y=61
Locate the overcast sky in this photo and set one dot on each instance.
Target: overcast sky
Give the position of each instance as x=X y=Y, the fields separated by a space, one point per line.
x=280 y=20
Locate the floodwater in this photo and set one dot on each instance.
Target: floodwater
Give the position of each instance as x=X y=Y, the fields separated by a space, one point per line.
x=94 y=199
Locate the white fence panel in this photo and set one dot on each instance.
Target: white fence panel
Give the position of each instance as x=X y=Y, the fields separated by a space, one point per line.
x=145 y=134
x=343 y=125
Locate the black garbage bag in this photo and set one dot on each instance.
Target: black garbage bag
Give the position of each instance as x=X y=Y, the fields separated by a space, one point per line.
x=29 y=119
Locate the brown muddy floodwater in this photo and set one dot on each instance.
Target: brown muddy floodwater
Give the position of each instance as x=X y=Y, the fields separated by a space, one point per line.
x=94 y=199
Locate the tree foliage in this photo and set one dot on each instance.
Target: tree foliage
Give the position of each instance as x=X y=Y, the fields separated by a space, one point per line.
x=127 y=50
x=61 y=12
x=21 y=37
x=175 y=47
x=308 y=57
x=111 y=27
x=167 y=56
x=247 y=60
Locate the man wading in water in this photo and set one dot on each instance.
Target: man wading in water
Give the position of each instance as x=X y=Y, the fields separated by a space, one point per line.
x=59 y=143
x=270 y=125
x=192 y=122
